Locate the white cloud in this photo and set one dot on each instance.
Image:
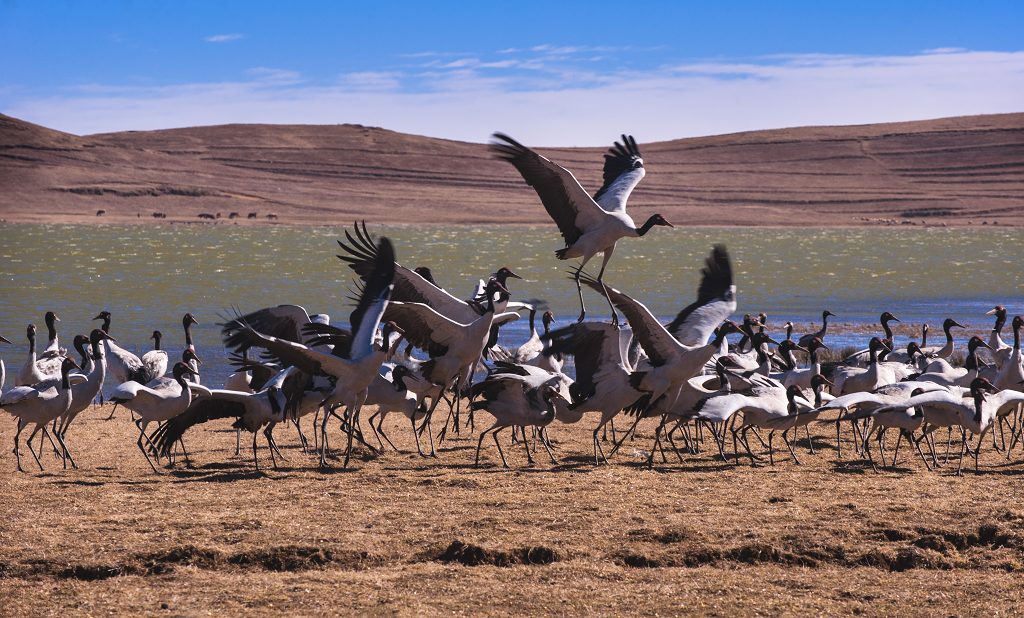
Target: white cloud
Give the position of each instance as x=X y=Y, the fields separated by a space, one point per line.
x=563 y=104
x=223 y=38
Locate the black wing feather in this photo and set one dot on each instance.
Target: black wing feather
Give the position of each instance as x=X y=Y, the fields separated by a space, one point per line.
x=202 y=410
x=715 y=281
x=546 y=183
x=617 y=161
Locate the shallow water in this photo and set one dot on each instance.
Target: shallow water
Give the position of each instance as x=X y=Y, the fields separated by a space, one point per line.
x=149 y=276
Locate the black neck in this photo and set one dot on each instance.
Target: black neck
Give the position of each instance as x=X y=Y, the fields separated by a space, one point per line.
x=817 y=396
x=65 y=379
x=873 y=352
x=156 y=339
x=646 y=227
x=887 y=329
x=533 y=327
x=188 y=335
x=106 y=325
x=949 y=335
x=814 y=356
x=96 y=355
x=979 y=398
x=51 y=330
x=1016 y=337
x=1000 y=322
x=31 y=343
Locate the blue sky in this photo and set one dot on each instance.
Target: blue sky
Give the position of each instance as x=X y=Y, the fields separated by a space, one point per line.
x=549 y=72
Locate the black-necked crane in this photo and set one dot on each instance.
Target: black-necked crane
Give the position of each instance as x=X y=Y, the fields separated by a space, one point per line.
x=945 y=351
x=158 y=404
x=361 y=254
x=516 y=400
x=155 y=361
x=38 y=367
x=251 y=411
x=40 y=405
x=799 y=417
x=941 y=372
x=454 y=347
x=860 y=358
x=350 y=371
x=857 y=379
x=1012 y=373
x=602 y=374
x=805 y=340
x=83 y=393
x=946 y=408
x=758 y=405
x=671 y=362
x=388 y=393
x=1000 y=349
x=802 y=376
x=862 y=406
x=124 y=366
x=53 y=344
x=588 y=225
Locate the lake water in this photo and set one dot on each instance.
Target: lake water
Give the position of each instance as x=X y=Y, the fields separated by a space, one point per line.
x=149 y=276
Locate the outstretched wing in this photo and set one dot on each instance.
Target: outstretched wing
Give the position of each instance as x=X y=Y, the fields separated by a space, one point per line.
x=623 y=170
x=424 y=327
x=654 y=339
x=716 y=301
x=360 y=253
x=373 y=301
x=202 y=410
x=568 y=204
x=283 y=321
x=594 y=346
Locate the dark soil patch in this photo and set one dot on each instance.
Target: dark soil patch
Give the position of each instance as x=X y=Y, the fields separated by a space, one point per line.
x=469 y=554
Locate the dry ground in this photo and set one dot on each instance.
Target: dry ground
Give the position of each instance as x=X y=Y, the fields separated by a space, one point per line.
x=398 y=534
x=948 y=171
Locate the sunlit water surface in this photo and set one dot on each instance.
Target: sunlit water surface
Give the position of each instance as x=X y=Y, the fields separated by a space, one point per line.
x=149 y=276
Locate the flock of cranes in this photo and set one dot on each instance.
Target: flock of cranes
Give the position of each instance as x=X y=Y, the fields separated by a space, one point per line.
x=409 y=344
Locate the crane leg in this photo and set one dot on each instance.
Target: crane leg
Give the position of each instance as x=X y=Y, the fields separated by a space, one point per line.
x=771 y=449
x=255 y=460
x=917 y=443
x=785 y=439
x=598 y=451
x=138 y=443
x=497 y=442
x=30 y=449
x=579 y=290
x=896 y=451
x=810 y=442
x=963 y=447
x=17 y=450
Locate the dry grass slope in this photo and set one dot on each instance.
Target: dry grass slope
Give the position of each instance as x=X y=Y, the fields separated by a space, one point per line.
x=403 y=535
x=953 y=171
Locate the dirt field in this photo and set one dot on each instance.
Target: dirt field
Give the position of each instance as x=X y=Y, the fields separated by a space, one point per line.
x=399 y=534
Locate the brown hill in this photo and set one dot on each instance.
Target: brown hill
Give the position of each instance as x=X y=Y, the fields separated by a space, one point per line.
x=948 y=171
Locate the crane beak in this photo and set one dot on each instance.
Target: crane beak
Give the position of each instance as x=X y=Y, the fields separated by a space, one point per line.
x=5 y=339
x=99 y=317
x=990 y=312
x=108 y=337
x=513 y=275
